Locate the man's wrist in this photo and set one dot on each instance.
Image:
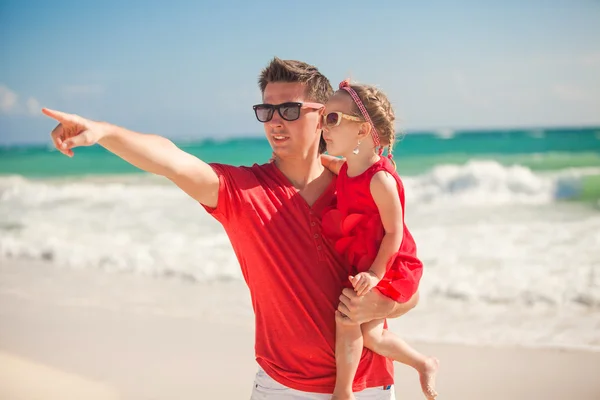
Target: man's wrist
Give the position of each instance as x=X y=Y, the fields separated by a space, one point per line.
x=399 y=309
x=387 y=306
x=106 y=131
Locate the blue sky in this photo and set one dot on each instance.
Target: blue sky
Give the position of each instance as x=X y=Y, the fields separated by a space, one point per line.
x=189 y=69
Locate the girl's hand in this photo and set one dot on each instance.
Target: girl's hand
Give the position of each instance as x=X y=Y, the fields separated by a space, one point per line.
x=364 y=282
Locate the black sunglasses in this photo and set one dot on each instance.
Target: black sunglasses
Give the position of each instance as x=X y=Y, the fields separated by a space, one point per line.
x=289 y=111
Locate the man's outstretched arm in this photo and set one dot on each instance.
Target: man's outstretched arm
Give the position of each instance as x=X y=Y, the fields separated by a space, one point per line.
x=152 y=153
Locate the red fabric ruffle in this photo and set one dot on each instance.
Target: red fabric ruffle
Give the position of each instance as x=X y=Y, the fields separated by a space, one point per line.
x=357 y=238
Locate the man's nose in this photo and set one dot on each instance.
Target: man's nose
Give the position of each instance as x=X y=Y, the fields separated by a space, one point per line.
x=276 y=121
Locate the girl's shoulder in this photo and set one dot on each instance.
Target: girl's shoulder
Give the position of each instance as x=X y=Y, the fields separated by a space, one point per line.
x=384 y=174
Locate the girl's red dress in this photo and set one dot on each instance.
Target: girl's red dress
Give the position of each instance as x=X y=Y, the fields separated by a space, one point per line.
x=356 y=229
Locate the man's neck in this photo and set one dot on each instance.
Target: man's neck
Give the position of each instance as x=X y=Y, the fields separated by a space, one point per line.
x=300 y=171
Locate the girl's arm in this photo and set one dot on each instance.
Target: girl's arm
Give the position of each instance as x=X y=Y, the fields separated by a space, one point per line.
x=384 y=190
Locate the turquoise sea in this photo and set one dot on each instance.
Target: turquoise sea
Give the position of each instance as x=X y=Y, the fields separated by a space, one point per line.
x=540 y=150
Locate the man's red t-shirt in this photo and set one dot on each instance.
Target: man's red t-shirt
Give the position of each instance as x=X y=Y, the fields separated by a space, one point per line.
x=294 y=276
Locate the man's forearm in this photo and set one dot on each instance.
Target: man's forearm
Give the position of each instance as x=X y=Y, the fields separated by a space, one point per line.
x=151 y=153
x=371 y=306
x=400 y=309
x=158 y=155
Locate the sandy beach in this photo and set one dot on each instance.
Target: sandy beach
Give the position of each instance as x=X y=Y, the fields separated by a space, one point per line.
x=90 y=334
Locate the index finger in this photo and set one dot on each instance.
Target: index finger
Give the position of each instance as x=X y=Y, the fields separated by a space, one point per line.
x=57 y=115
x=364 y=288
x=343 y=309
x=348 y=293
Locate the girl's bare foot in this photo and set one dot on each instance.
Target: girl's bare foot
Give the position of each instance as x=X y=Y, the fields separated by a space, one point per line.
x=427 y=377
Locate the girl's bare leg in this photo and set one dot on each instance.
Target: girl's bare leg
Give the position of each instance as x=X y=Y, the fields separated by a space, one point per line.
x=387 y=344
x=348 y=349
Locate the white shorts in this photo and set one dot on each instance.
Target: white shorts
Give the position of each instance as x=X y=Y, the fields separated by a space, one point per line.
x=267 y=388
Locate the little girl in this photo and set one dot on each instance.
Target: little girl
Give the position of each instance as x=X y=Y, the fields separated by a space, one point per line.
x=368 y=228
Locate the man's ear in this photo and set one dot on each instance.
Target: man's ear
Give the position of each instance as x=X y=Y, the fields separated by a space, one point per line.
x=320 y=124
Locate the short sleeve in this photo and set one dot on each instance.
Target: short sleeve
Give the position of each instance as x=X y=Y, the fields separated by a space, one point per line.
x=229 y=195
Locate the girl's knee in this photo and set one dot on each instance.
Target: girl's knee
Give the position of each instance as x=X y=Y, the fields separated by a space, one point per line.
x=371 y=339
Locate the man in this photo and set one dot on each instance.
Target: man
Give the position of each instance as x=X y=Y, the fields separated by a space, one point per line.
x=272 y=215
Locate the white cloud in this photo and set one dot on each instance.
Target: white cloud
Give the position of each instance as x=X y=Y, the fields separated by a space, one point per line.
x=569 y=93
x=33 y=106
x=9 y=103
x=8 y=100
x=590 y=60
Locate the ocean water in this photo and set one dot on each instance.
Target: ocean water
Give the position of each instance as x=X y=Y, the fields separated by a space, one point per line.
x=506 y=222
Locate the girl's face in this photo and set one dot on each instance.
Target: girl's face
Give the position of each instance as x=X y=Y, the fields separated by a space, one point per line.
x=341 y=129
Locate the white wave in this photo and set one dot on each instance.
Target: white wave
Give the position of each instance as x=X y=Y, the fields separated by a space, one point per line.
x=445 y=133
x=146 y=225
x=489 y=183
x=143 y=228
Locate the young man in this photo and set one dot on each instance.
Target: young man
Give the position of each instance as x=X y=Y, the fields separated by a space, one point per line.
x=294 y=276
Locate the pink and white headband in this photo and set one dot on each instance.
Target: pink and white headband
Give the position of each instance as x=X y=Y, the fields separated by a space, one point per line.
x=345 y=85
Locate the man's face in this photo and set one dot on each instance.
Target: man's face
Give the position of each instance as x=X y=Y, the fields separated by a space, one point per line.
x=291 y=138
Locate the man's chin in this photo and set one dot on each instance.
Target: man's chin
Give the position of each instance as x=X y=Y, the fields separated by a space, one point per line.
x=283 y=154
x=284 y=151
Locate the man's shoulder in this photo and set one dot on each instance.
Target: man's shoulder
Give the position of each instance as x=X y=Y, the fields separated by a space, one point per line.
x=255 y=169
x=257 y=177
